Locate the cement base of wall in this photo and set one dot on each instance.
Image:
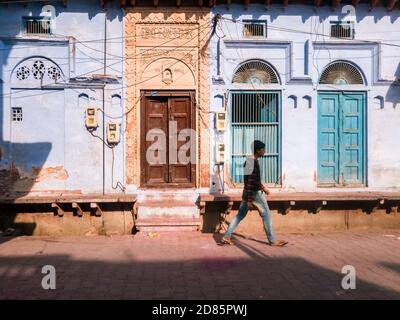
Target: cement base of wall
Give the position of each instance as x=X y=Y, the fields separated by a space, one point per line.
x=47 y=224
x=300 y=221
x=121 y=222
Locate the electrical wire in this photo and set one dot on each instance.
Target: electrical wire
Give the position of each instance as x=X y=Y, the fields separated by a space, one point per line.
x=316 y=33
x=111 y=147
x=222 y=18
x=120 y=88
x=313 y=60
x=148 y=79
x=180 y=33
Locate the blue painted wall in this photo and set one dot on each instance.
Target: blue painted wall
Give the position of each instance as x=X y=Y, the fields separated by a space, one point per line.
x=51 y=149
x=299 y=47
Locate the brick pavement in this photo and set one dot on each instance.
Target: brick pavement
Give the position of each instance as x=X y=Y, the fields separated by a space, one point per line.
x=178 y=265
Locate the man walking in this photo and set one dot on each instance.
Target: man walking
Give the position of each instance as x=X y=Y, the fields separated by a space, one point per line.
x=253 y=197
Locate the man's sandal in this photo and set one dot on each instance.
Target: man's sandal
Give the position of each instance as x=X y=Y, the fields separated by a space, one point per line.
x=226 y=240
x=279 y=243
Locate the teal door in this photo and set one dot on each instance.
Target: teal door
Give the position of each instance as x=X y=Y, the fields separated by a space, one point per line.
x=341 y=138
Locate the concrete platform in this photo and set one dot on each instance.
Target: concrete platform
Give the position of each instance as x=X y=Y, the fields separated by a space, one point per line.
x=77 y=214
x=68 y=198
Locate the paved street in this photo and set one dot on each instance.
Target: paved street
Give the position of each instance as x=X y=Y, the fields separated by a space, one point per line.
x=192 y=266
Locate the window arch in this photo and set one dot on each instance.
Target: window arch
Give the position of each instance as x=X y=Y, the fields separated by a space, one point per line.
x=255 y=72
x=37 y=69
x=308 y=100
x=341 y=72
x=293 y=101
x=83 y=100
x=116 y=101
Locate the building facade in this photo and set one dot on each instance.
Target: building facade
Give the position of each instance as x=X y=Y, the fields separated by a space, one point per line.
x=52 y=70
x=160 y=102
x=318 y=85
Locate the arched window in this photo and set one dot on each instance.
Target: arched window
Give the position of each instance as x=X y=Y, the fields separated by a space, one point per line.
x=341 y=72
x=255 y=72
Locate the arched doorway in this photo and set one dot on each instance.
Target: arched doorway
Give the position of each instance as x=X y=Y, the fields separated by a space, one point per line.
x=168 y=114
x=255 y=112
x=342 y=126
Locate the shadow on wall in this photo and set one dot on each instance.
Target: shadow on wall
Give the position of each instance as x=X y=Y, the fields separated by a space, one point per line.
x=257 y=276
x=21 y=158
x=392 y=94
x=89 y=7
x=22 y=164
x=14 y=183
x=325 y=11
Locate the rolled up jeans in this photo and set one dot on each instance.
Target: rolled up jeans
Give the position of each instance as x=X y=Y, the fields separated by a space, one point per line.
x=261 y=205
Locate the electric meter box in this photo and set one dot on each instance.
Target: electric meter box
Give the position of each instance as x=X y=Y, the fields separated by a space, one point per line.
x=113 y=132
x=220 y=152
x=91 y=118
x=220 y=121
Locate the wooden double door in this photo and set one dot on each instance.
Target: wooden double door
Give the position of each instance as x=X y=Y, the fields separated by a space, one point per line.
x=167 y=139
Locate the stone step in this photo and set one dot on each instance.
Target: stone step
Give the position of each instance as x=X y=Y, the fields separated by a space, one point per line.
x=167 y=223
x=167 y=214
x=165 y=209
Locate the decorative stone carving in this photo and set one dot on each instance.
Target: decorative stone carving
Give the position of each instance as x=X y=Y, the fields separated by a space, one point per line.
x=167 y=76
x=23 y=73
x=171 y=31
x=158 y=39
x=38 y=70
x=54 y=73
x=187 y=56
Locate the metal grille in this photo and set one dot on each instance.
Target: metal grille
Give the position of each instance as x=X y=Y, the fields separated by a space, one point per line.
x=254 y=29
x=37 y=26
x=255 y=72
x=342 y=30
x=341 y=72
x=17 y=114
x=255 y=116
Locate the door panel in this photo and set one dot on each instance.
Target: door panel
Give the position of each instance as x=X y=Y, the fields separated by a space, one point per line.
x=179 y=109
x=328 y=139
x=352 y=138
x=156 y=151
x=341 y=123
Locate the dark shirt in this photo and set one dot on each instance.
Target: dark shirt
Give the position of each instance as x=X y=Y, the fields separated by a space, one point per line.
x=252 y=178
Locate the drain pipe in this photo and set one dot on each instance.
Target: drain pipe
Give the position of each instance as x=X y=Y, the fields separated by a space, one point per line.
x=219 y=58
x=104 y=105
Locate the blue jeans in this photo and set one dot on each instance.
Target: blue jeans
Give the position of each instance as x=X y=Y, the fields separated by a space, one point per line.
x=262 y=206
